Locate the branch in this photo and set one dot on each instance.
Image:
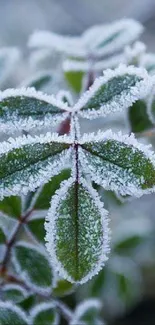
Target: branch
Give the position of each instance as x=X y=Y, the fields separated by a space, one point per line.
x=12 y=241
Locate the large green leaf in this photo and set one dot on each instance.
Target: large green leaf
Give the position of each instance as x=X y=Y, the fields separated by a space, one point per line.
x=119 y=163
x=138 y=117
x=26 y=108
x=12 y=315
x=33 y=266
x=117 y=90
x=28 y=162
x=77 y=231
x=44 y=313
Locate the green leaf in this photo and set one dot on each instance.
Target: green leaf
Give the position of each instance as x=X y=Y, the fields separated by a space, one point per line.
x=11 y=206
x=36 y=227
x=77 y=231
x=63 y=288
x=26 y=108
x=138 y=117
x=14 y=293
x=2 y=236
x=75 y=80
x=33 y=266
x=12 y=315
x=117 y=90
x=119 y=163
x=44 y=313
x=29 y=162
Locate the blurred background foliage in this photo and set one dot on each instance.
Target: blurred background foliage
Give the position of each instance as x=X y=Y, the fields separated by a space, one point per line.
x=126 y=285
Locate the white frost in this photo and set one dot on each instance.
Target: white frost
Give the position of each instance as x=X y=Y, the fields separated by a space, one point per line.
x=42 y=307
x=83 y=307
x=15 y=309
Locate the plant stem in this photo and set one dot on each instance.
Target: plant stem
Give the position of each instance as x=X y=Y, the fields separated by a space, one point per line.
x=12 y=241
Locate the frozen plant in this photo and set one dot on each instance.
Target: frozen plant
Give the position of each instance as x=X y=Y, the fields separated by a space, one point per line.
x=49 y=180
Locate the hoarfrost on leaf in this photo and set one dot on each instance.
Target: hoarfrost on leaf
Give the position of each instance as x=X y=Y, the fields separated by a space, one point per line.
x=114 y=92
x=77 y=228
x=118 y=162
x=26 y=108
x=28 y=162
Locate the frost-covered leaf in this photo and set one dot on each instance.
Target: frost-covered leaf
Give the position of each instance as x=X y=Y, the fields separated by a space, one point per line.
x=117 y=90
x=39 y=81
x=32 y=265
x=77 y=231
x=26 y=108
x=138 y=117
x=107 y=39
x=9 y=56
x=63 y=288
x=118 y=162
x=14 y=293
x=87 y=312
x=11 y=206
x=28 y=162
x=74 y=79
x=99 y=40
x=12 y=315
x=44 y=313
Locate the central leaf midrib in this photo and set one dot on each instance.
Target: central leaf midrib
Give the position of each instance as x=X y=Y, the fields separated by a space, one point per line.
x=41 y=159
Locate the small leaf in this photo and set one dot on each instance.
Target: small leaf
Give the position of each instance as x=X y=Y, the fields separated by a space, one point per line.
x=28 y=162
x=44 y=313
x=75 y=79
x=63 y=288
x=151 y=107
x=12 y=315
x=119 y=163
x=87 y=312
x=11 y=206
x=39 y=81
x=77 y=232
x=33 y=266
x=138 y=117
x=110 y=38
x=117 y=90
x=14 y=293
x=26 y=108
